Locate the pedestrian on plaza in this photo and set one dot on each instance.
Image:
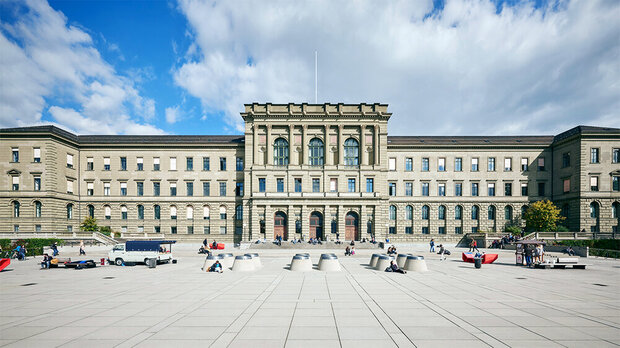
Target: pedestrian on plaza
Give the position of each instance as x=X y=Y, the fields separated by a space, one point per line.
x=528 y=256
x=46 y=263
x=352 y=251
x=347 y=251
x=432 y=244
x=442 y=252
x=473 y=246
x=394 y=268
x=205 y=243
x=82 y=251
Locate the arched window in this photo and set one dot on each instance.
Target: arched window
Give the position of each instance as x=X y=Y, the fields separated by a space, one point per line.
x=475 y=212
x=223 y=213
x=206 y=212
x=69 y=211
x=123 y=212
x=491 y=212
x=351 y=152
x=16 y=206
x=523 y=210
x=315 y=152
x=189 y=213
x=280 y=152
x=615 y=210
x=392 y=212
x=441 y=212
x=140 y=212
x=594 y=210
x=409 y=212
x=507 y=212
x=91 y=211
x=38 y=209
x=173 y=212
x=239 y=212
x=426 y=211
x=107 y=212
x=157 y=212
x=458 y=212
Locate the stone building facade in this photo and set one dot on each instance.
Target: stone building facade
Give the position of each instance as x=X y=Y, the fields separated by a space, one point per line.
x=305 y=171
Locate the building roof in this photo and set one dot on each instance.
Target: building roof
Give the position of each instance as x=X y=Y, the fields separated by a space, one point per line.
x=589 y=130
x=544 y=140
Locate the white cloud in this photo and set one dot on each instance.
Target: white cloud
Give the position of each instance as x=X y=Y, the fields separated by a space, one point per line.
x=463 y=70
x=172 y=114
x=55 y=67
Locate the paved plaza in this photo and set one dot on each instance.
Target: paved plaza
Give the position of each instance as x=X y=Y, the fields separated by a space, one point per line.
x=175 y=305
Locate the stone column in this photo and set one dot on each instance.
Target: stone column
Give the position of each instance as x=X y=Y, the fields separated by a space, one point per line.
x=269 y=223
x=363 y=160
x=269 y=146
x=247 y=222
x=362 y=223
x=304 y=144
x=340 y=146
x=292 y=156
x=326 y=152
x=327 y=224
x=341 y=225
x=255 y=144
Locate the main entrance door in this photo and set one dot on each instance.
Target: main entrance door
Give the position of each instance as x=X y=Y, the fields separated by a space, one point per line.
x=280 y=225
x=351 y=228
x=316 y=225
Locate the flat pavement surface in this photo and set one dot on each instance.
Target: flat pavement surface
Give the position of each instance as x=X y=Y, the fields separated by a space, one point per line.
x=175 y=305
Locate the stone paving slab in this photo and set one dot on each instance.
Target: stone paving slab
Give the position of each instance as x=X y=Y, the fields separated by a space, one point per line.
x=499 y=305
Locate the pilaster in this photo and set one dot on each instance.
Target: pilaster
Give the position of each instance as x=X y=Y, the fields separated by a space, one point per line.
x=269 y=146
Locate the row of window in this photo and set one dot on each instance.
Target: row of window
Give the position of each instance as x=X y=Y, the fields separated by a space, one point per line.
x=172 y=162
x=458 y=164
x=458 y=189
x=189 y=188
x=316 y=152
x=442 y=212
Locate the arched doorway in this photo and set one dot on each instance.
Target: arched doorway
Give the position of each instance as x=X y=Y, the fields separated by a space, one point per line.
x=280 y=225
x=351 y=226
x=316 y=225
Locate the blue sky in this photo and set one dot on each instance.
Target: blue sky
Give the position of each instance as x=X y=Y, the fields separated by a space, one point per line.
x=456 y=67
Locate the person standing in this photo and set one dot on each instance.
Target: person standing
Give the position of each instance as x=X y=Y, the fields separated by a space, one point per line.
x=442 y=252
x=474 y=245
x=432 y=244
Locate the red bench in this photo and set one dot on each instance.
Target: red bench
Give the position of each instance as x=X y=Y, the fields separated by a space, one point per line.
x=486 y=258
x=219 y=246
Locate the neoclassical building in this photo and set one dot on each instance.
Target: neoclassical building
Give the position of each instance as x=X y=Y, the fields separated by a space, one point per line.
x=302 y=171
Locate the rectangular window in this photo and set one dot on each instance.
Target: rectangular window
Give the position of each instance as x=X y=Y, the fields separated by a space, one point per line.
x=458 y=164
x=408 y=188
x=222 y=188
x=16 y=183
x=280 y=185
x=173 y=163
x=15 y=152
x=239 y=189
x=541 y=164
x=106 y=188
x=333 y=185
x=206 y=163
x=173 y=230
x=69 y=161
x=524 y=191
x=524 y=164
x=206 y=229
x=441 y=189
x=123 y=163
x=392 y=163
x=140 y=164
x=458 y=189
x=425 y=190
x=37 y=155
x=173 y=189
x=69 y=186
x=370 y=185
x=140 y=188
x=491 y=187
x=491 y=164
x=239 y=164
x=441 y=164
x=541 y=188
x=566 y=185
x=507 y=189
x=594 y=155
x=425 y=162
x=392 y=189
x=156 y=189
x=474 y=229
x=189 y=188
x=189 y=163
x=507 y=164
x=425 y=230
x=594 y=183
x=316 y=185
x=37 y=228
x=566 y=160
x=222 y=229
x=206 y=188
x=615 y=184
x=458 y=230
x=615 y=156
x=442 y=230
x=90 y=163
x=392 y=230
x=474 y=189
x=408 y=164
x=408 y=230
x=106 y=163
x=222 y=163
x=123 y=189
x=351 y=184
x=474 y=164
x=297 y=184
x=261 y=185
x=157 y=229
x=156 y=164
x=37 y=183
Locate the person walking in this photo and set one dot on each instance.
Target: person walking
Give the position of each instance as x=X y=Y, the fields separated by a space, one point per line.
x=442 y=252
x=432 y=244
x=82 y=250
x=474 y=245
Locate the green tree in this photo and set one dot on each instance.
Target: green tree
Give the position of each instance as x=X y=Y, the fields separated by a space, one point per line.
x=89 y=225
x=542 y=216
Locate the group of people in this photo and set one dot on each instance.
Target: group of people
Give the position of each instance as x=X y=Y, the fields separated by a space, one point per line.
x=533 y=254
x=507 y=239
x=314 y=241
x=391 y=250
x=349 y=251
x=20 y=252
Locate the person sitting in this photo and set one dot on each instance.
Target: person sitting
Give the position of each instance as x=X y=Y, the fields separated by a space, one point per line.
x=478 y=254
x=363 y=240
x=352 y=243
x=347 y=251
x=46 y=263
x=352 y=251
x=391 y=250
x=216 y=267
x=393 y=267
x=570 y=251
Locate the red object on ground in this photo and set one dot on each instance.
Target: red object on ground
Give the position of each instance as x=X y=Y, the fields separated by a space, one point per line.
x=4 y=263
x=220 y=246
x=486 y=258
x=102 y=261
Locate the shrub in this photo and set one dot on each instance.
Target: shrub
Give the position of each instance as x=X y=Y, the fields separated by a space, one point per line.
x=512 y=229
x=562 y=228
x=34 y=246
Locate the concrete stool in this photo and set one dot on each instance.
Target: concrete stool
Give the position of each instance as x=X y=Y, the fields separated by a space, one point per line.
x=243 y=263
x=415 y=264
x=329 y=263
x=373 y=260
x=301 y=263
x=255 y=259
x=383 y=262
x=209 y=261
x=401 y=260
x=226 y=260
